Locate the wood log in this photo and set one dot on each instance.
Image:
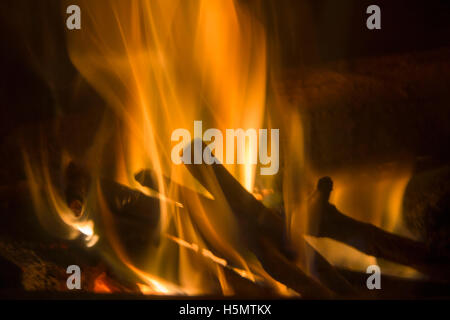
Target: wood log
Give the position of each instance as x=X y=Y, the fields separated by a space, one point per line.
x=325 y=272
x=135 y=216
x=262 y=229
x=125 y=203
x=328 y=221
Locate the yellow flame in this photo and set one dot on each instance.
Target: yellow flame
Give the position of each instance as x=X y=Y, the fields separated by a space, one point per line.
x=208 y=254
x=160 y=65
x=373 y=195
x=52 y=210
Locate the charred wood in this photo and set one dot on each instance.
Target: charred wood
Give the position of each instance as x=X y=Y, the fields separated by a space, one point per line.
x=328 y=221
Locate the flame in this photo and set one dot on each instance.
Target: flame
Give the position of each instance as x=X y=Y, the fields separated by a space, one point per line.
x=163 y=64
x=373 y=195
x=52 y=210
x=160 y=65
x=209 y=255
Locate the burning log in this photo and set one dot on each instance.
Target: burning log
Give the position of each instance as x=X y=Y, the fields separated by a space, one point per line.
x=237 y=282
x=134 y=214
x=327 y=221
x=329 y=275
x=263 y=231
x=287 y=272
x=127 y=204
x=261 y=228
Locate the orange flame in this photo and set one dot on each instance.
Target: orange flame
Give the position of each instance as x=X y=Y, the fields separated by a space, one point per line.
x=160 y=65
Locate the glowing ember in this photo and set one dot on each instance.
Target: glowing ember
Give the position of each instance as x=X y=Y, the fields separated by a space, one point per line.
x=101 y=285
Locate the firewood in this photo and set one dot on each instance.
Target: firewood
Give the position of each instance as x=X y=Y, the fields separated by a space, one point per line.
x=263 y=229
x=328 y=221
x=147 y=178
x=330 y=276
x=135 y=216
x=287 y=272
x=124 y=202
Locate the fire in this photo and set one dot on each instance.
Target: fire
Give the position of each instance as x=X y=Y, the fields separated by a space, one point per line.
x=161 y=65
x=372 y=195
x=53 y=211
